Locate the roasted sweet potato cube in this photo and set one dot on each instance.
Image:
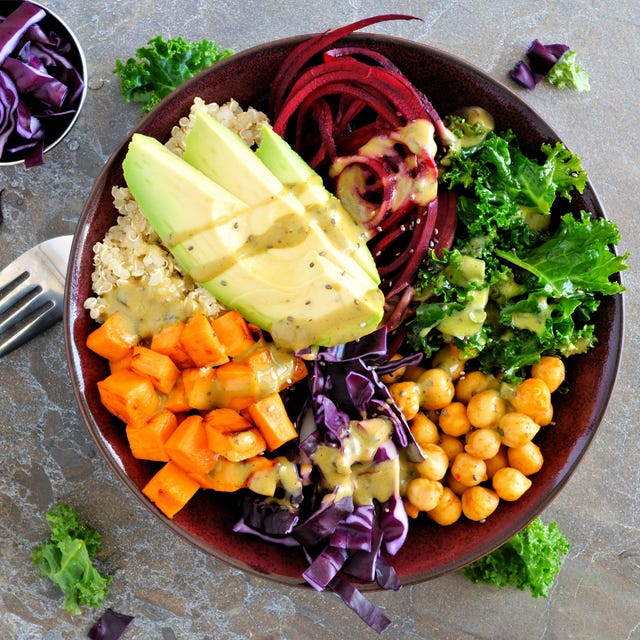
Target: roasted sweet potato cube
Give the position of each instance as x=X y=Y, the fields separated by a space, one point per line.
x=147 y=440
x=233 y=332
x=158 y=367
x=128 y=396
x=113 y=339
x=238 y=445
x=202 y=344
x=170 y=489
x=270 y=416
x=188 y=446
x=167 y=341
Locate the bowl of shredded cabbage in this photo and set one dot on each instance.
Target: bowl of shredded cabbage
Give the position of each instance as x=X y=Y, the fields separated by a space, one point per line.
x=429 y=438
x=42 y=84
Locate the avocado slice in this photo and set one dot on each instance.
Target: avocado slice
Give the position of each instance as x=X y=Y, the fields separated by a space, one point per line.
x=274 y=260
x=289 y=167
x=181 y=185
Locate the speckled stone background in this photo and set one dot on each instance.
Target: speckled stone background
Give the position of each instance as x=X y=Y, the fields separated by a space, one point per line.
x=174 y=591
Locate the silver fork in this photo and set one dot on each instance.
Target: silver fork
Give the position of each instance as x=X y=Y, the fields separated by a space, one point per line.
x=31 y=292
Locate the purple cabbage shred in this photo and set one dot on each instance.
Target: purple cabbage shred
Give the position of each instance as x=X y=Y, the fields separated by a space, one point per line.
x=342 y=540
x=39 y=85
x=110 y=626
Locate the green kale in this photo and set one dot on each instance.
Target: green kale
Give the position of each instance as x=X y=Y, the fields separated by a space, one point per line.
x=567 y=74
x=544 y=284
x=530 y=560
x=164 y=65
x=67 y=560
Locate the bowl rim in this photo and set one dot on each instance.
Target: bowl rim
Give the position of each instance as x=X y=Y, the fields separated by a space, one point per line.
x=610 y=367
x=85 y=76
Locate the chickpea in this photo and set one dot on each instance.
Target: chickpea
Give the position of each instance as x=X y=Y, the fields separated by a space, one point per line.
x=527 y=459
x=413 y=372
x=435 y=463
x=483 y=443
x=448 y=510
x=451 y=360
x=510 y=484
x=454 y=420
x=394 y=376
x=412 y=511
x=478 y=503
x=456 y=486
x=436 y=389
x=468 y=469
x=532 y=396
x=424 y=430
x=406 y=395
x=501 y=459
x=469 y=384
x=424 y=493
x=517 y=429
x=451 y=445
x=486 y=408
x=551 y=370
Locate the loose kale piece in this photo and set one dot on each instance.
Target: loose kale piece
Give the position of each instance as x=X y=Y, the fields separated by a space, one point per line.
x=67 y=560
x=162 y=66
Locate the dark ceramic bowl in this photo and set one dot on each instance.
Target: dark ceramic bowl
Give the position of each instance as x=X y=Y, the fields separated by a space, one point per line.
x=55 y=128
x=207 y=520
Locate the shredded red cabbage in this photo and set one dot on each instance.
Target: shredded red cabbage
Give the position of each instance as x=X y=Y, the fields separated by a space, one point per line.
x=40 y=86
x=340 y=538
x=110 y=626
x=542 y=57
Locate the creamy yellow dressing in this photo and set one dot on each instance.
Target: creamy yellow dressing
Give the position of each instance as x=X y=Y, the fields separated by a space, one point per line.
x=349 y=468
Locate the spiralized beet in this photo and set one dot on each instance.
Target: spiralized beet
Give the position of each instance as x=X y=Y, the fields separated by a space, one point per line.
x=360 y=122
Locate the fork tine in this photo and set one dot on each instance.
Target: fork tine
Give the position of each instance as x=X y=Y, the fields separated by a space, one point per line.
x=15 y=291
x=23 y=307
x=48 y=317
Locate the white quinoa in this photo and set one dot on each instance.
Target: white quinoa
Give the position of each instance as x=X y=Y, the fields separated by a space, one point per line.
x=131 y=251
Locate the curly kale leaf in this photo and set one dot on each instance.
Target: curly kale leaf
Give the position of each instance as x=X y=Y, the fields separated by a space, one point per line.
x=67 y=560
x=501 y=188
x=162 y=66
x=530 y=560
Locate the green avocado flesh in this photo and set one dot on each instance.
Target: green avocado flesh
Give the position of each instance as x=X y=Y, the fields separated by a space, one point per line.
x=295 y=264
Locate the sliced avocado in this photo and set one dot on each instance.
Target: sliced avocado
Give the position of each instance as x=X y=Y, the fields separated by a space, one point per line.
x=289 y=167
x=181 y=203
x=224 y=158
x=274 y=263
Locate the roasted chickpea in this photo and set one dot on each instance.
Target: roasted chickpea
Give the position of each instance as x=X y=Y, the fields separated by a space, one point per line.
x=450 y=359
x=394 y=376
x=551 y=370
x=486 y=408
x=453 y=420
x=483 y=443
x=413 y=372
x=526 y=459
x=532 y=396
x=435 y=463
x=448 y=510
x=451 y=445
x=424 y=430
x=517 y=429
x=406 y=395
x=457 y=487
x=478 y=503
x=436 y=389
x=424 y=493
x=468 y=469
x=501 y=459
x=509 y=483
x=469 y=384
x=412 y=511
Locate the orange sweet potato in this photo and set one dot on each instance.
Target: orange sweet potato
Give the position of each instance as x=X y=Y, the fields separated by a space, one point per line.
x=158 y=367
x=200 y=387
x=233 y=332
x=170 y=489
x=167 y=341
x=270 y=416
x=202 y=344
x=226 y=420
x=235 y=445
x=232 y=476
x=113 y=339
x=148 y=439
x=188 y=446
x=128 y=396
x=176 y=399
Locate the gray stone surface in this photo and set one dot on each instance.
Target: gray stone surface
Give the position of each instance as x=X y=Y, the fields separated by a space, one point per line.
x=46 y=454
